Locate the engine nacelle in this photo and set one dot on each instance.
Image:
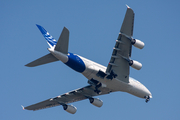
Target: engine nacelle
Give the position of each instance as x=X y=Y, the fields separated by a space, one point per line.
x=137 y=43
x=96 y=102
x=70 y=108
x=135 y=64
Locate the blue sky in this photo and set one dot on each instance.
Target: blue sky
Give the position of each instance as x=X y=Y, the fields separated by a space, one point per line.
x=94 y=27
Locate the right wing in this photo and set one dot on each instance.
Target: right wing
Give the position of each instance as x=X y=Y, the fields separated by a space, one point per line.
x=72 y=96
x=118 y=66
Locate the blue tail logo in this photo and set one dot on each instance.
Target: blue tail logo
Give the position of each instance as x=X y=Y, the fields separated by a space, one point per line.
x=50 y=40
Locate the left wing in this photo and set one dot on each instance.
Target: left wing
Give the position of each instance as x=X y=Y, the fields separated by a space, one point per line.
x=72 y=96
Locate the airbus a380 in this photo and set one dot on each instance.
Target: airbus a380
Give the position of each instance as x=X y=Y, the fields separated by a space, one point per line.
x=102 y=80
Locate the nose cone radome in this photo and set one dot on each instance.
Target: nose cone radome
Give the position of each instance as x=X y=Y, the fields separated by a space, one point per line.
x=147 y=92
x=150 y=95
x=139 y=89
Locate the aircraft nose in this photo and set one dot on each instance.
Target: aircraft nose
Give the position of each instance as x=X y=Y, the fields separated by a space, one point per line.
x=148 y=93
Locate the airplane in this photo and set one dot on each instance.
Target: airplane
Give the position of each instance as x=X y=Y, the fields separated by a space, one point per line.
x=102 y=80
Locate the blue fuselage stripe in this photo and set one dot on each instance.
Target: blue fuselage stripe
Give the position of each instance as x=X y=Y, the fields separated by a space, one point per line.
x=75 y=62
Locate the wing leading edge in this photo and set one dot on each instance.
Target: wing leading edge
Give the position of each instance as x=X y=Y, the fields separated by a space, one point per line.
x=119 y=64
x=72 y=96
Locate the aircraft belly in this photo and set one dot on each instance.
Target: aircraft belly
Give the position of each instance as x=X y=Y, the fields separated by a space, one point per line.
x=114 y=85
x=118 y=85
x=93 y=68
x=88 y=72
x=138 y=89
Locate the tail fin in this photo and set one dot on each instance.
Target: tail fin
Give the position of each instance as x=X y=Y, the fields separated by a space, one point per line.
x=50 y=40
x=63 y=41
x=61 y=46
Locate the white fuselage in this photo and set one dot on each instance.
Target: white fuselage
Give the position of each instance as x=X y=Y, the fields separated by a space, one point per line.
x=134 y=87
x=90 y=69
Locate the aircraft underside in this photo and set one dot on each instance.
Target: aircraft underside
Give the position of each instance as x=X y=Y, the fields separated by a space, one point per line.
x=102 y=80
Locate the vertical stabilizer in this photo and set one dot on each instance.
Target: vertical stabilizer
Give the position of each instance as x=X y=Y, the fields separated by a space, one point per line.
x=50 y=40
x=60 y=46
x=63 y=42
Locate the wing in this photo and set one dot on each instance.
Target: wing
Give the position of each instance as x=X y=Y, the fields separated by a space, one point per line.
x=72 y=96
x=119 y=65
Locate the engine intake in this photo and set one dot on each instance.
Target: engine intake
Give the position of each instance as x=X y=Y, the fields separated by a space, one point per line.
x=135 y=64
x=137 y=43
x=70 y=109
x=96 y=102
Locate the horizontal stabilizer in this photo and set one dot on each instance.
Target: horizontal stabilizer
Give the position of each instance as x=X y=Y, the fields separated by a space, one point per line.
x=63 y=41
x=43 y=60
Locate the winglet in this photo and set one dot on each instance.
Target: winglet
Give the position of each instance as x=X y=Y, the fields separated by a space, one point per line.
x=127 y=6
x=22 y=107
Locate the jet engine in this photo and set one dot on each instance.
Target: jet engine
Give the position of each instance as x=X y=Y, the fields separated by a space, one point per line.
x=135 y=64
x=70 y=109
x=96 y=102
x=137 y=43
